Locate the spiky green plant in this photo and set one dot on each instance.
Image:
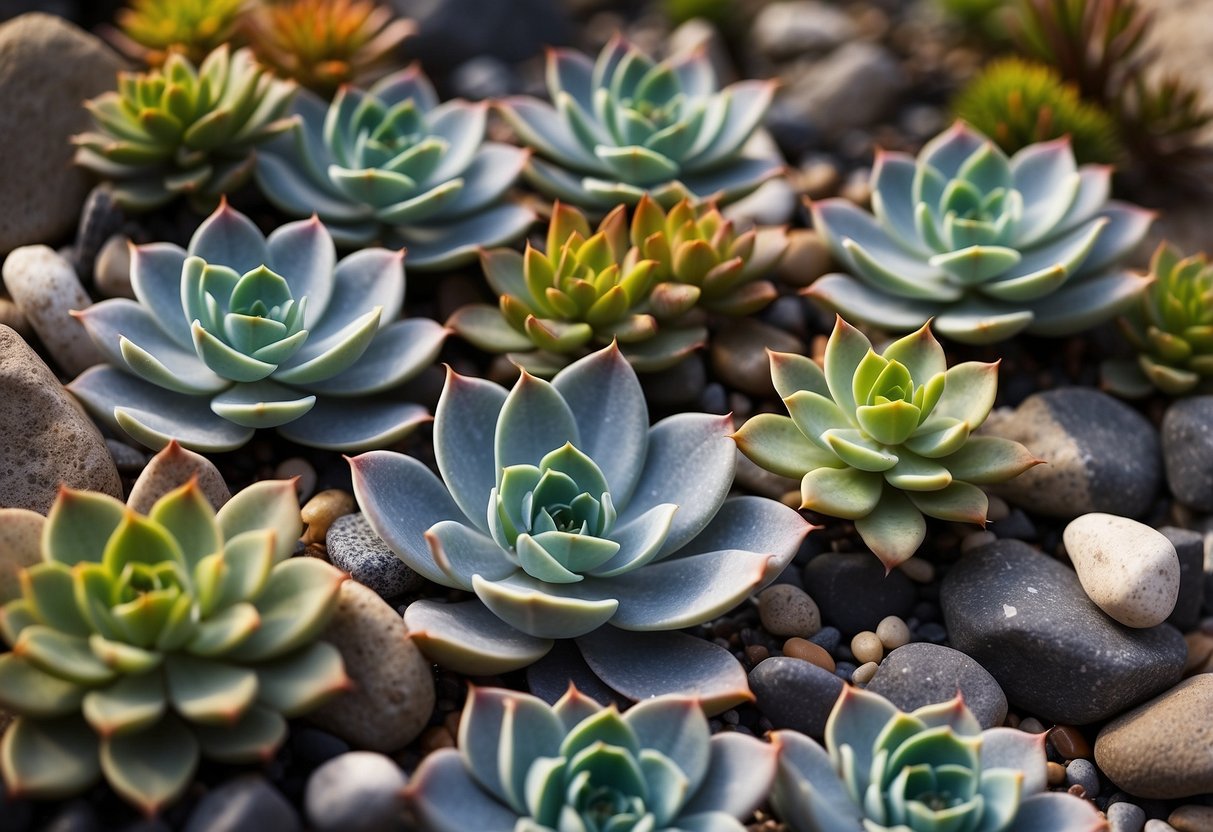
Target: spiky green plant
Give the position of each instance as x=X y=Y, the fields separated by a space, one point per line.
x=528 y=766
x=883 y=439
x=1018 y=103
x=570 y=518
x=1171 y=330
x=241 y=332
x=183 y=131
x=932 y=770
x=151 y=30
x=143 y=643
x=985 y=245
x=625 y=125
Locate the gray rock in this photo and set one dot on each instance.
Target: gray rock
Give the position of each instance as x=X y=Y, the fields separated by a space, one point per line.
x=1025 y=618
x=1126 y=817
x=246 y=803
x=47 y=67
x=1187 y=451
x=453 y=31
x=792 y=29
x=1102 y=455
x=46 y=440
x=127 y=459
x=787 y=610
x=1161 y=749
x=1190 y=548
x=354 y=547
x=854 y=593
x=796 y=694
x=356 y=792
x=46 y=290
x=922 y=674
x=739 y=354
x=826 y=91
x=1082 y=773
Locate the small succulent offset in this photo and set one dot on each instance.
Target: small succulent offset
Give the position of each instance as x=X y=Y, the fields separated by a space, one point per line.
x=987 y=246
x=323 y=44
x=932 y=770
x=1172 y=330
x=624 y=125
x=391 y=164
x=526 y=766
x=241 y=332
x=568 y=516
x=142 y=643
x=883 y=439
x=590 y=288
x=180 y=131
x=151 y=30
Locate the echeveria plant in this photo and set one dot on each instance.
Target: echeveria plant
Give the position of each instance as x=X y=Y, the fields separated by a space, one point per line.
x=933 y=770
x=391 y=164
x=1171 y=329
x=180 y=131
x=883 y=439
x=986 y=245
x=525 y=766
x=570 y=518
x=142 y=643
x=151 y=30
x=625 y=125
x=588 y=289
x=241 y=332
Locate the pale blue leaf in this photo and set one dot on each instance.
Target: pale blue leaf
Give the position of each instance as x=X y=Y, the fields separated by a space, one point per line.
x=467 y=638
x=156 y=280
x=355 y=425
x=304 y=255
x=229 y=238
x=464 y=425
x=397 y=353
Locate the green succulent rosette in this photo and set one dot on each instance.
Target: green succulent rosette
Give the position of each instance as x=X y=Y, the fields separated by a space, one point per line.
x=181 y=131
x=885 y=438
x=569 y=517
x=393 y=165
x=152 y=30
x=932 y=770
x=527 y=766
x=240 y=332
x=626 y=125
x=985 y=245
x=1171 y=330
x=141 y=644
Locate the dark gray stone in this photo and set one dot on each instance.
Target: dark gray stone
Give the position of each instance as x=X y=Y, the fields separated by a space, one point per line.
x=854 y=593
x=77 y=816
x=246 y=803
x=1126 y=817
x=354 y=547
x=1082 y=773
x=315 y=747
x=451 y=32
x=15 y=814
x=922 y=674
x=1187 y=450
x=357 y=792
x=1190 y=547
x=796 y=694
x=1025 y=618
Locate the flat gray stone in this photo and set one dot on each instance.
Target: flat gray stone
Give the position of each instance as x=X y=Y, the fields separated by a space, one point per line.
x=1187 y=451
x=246 y=803
x=796 y=694
x=923 y=674
x=854 y=593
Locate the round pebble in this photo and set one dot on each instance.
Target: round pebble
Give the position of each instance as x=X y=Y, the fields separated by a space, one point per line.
x=299 y=467
x=320 y=512
x=1031 y=725
x=828 y=638
x=1159 y=826
x=247 y=802
x=1055 y=773
x=1192 y=818
x=1130 y=570
x=867 y=647
x=1126 y=817
x=976 y=540
x=864 y=673
x=997 y=509
x=799 y=648
x=357 y=792
x=112 y=271
x=893 y=632
x=787 y=610
x=1082 y=773
x=46 y=290
x=1069 y=742
x=918 y=570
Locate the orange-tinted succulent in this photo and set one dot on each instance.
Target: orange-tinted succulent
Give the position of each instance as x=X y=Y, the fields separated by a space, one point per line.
x=153 y=29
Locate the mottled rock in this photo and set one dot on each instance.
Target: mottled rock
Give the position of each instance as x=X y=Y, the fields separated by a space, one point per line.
x=1025 y=618
x=1161 y=749
x=787 y=610
x=826 y=91
x=356 y=792
x=171 y=468
x=246 y=803
x=922 y=674
x=20 y=546
x=1187 y=451
x=791 y=29
x=1101 y=454
x=354 y=547
x=1126 y=817
x=793 y=693
x=47 y=67
x=1127 y=568
x=739 y=354
x=1190 y=549
x=393 y=693
x=45 y=438
x=1192 y=818
x=854 y=593
x=46 y=290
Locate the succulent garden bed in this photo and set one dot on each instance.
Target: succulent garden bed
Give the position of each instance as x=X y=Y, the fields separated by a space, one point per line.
x=759 y=415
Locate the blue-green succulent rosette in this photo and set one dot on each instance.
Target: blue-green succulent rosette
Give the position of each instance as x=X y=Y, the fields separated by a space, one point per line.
x=240 y=332
x=987 y=246
x=393 y=165
x=569 y=517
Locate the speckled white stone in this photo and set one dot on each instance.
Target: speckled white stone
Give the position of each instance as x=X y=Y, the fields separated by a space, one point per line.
x=1127 y=568
x=46 y=290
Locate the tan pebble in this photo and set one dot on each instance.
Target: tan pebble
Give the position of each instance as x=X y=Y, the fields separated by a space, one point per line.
x=1130 y=570
x=1012 y=720
x=1031 y=725
x=452 y=720
x=112 y=272
x=800 y=648
x=756 y=653
x=892 y=632
x=1070 y=743
x=1056 y=773
x=976 y=540
x=20 y=546
x=807 y=258
x=867 y=647
x=997 y=509
x=1192 y=818
x=320 y=512
x=433 y=739
x=1200 y=650
x=864 y=673
x=46 y=289
x=299 y=467
x=1158 y=826
x=918 y=570
x=11 y=316
x=792 y=499
x=787 y=610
